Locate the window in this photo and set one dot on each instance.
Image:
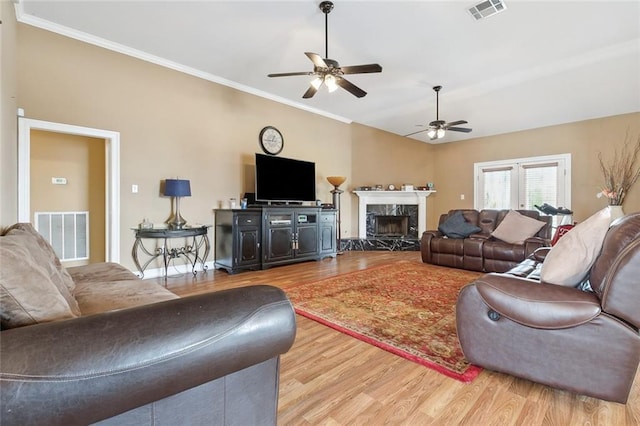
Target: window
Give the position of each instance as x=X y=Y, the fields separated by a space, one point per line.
x=523 y=183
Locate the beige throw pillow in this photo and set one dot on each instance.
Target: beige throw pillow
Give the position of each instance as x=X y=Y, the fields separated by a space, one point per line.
x=570 y=260
x=45 y=257
x=516 y=227
x=27 y=294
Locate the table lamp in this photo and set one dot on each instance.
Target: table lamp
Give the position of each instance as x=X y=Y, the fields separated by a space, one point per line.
x=177 y=188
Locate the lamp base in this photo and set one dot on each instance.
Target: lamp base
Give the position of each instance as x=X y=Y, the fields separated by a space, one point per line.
x=177 y=223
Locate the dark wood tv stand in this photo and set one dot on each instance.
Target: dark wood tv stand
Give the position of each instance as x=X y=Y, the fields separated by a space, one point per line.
x=265 y=236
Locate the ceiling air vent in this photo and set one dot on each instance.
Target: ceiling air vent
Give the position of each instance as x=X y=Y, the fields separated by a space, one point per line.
x=486 y=9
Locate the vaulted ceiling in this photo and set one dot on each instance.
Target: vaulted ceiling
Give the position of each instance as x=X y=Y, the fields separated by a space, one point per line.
x=537 y=63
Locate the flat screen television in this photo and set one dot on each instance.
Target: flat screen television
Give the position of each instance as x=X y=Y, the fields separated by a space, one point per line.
x=283 y=180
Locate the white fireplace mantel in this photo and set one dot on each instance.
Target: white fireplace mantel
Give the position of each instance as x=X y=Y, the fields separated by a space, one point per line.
x=418 y=198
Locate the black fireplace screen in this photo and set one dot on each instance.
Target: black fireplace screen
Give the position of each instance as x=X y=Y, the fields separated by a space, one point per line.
x=392 y=221
x=391 y=226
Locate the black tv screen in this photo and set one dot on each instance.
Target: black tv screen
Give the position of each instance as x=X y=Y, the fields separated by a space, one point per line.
x=280 y=179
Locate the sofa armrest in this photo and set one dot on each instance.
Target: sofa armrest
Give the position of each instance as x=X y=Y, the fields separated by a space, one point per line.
x=82 y=370
x=481 y=236
x=537 y=305
x=533 y=243
x=540 y=254
x=425 y=244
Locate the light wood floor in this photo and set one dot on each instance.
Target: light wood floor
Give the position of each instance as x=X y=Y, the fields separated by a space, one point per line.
x=329 y=378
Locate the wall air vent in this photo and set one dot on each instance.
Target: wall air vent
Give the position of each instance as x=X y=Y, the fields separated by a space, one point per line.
x=486 y=9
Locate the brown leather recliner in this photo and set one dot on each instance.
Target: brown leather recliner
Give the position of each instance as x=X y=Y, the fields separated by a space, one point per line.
x=482 y=252
x=584 y=342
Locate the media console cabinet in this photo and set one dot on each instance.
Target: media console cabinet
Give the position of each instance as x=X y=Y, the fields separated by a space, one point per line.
x=266 y=236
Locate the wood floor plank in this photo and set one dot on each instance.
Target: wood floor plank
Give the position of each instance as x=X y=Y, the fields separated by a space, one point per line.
x=329 y=378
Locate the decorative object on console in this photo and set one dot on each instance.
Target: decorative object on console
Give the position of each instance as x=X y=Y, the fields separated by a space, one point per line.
x=407 y=187
x=271 y=140
x=621 y=173
x=145 y=224
x=328 y=71
x=336 y=181
x=177 y=188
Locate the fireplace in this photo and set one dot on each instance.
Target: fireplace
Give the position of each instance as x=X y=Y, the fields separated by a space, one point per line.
x=392 y=221
x=391 y=226
x=392 y=203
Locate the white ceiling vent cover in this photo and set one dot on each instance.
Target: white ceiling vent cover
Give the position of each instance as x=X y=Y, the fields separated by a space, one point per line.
x=486 y=9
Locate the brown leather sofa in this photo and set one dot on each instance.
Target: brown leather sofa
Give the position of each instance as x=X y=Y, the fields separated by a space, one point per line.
x=206 y=359
x=130 y=351
x=586 y=342
x=481 y=251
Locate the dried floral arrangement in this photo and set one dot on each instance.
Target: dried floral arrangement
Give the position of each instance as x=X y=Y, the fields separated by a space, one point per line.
x=621 y=172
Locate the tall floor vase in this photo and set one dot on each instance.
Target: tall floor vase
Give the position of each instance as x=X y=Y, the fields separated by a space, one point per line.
x=615 y=213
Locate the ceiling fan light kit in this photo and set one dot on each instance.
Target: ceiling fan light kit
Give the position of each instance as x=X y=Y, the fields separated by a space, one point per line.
x=327 y=71
x=437 y=128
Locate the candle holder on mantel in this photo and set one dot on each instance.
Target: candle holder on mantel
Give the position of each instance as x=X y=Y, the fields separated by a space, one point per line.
x=336 y=181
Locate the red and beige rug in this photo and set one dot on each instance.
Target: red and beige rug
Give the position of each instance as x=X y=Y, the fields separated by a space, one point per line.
x=407 y=308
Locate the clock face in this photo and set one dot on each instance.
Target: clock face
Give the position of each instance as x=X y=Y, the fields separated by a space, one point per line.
x=271 y=140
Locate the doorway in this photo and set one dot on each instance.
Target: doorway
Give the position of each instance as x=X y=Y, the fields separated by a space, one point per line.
x=111 y=142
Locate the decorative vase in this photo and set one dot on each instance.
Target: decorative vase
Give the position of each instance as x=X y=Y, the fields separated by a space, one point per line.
x=615 y=211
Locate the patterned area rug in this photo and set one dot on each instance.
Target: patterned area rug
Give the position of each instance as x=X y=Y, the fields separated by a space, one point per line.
x=407 y=308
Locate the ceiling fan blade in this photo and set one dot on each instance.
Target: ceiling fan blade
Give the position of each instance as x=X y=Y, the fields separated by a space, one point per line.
x=287 y=74
x=454 y=123
x=350 y=87
x=459 y=129
x=317 y=60
x=310 y=91
x=361 y=69
x=414 y=133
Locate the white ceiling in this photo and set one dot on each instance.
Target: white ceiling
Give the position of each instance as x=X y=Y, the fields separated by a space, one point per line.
x=538 y=63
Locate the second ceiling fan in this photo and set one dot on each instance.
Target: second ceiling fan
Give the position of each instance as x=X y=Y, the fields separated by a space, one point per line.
x=438 y=128
x=328 y=71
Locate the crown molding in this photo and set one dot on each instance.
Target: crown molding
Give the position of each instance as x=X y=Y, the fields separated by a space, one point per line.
x=34 y=21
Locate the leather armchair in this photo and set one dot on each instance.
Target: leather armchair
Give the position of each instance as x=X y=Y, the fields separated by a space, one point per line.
x=581 y=341
x=206 y=359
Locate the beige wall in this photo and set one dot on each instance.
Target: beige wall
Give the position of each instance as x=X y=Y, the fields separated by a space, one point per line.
x=583 y=140
x=8 y=121
x=172 y=124
x=176 y=125
x=381 y=158
x=81 y=160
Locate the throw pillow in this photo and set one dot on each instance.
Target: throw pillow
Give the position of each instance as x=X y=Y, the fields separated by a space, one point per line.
x=516 y=227
x=27 y=294
x=457 y=227
x=46 y=249
x=569 y=261
x=44 y=256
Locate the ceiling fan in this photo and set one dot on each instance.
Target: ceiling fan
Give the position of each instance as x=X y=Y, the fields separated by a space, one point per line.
x=328 y=71
x=438 y=128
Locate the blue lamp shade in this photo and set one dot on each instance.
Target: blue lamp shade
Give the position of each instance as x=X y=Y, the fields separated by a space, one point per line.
x=177 y=188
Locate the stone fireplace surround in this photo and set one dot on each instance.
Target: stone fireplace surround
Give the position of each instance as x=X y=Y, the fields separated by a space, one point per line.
x=410 y=204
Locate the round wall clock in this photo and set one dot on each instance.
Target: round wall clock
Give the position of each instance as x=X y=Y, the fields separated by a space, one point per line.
x=271 y=140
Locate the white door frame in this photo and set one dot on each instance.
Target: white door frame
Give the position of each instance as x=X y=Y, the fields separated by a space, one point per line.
x=112 y=190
